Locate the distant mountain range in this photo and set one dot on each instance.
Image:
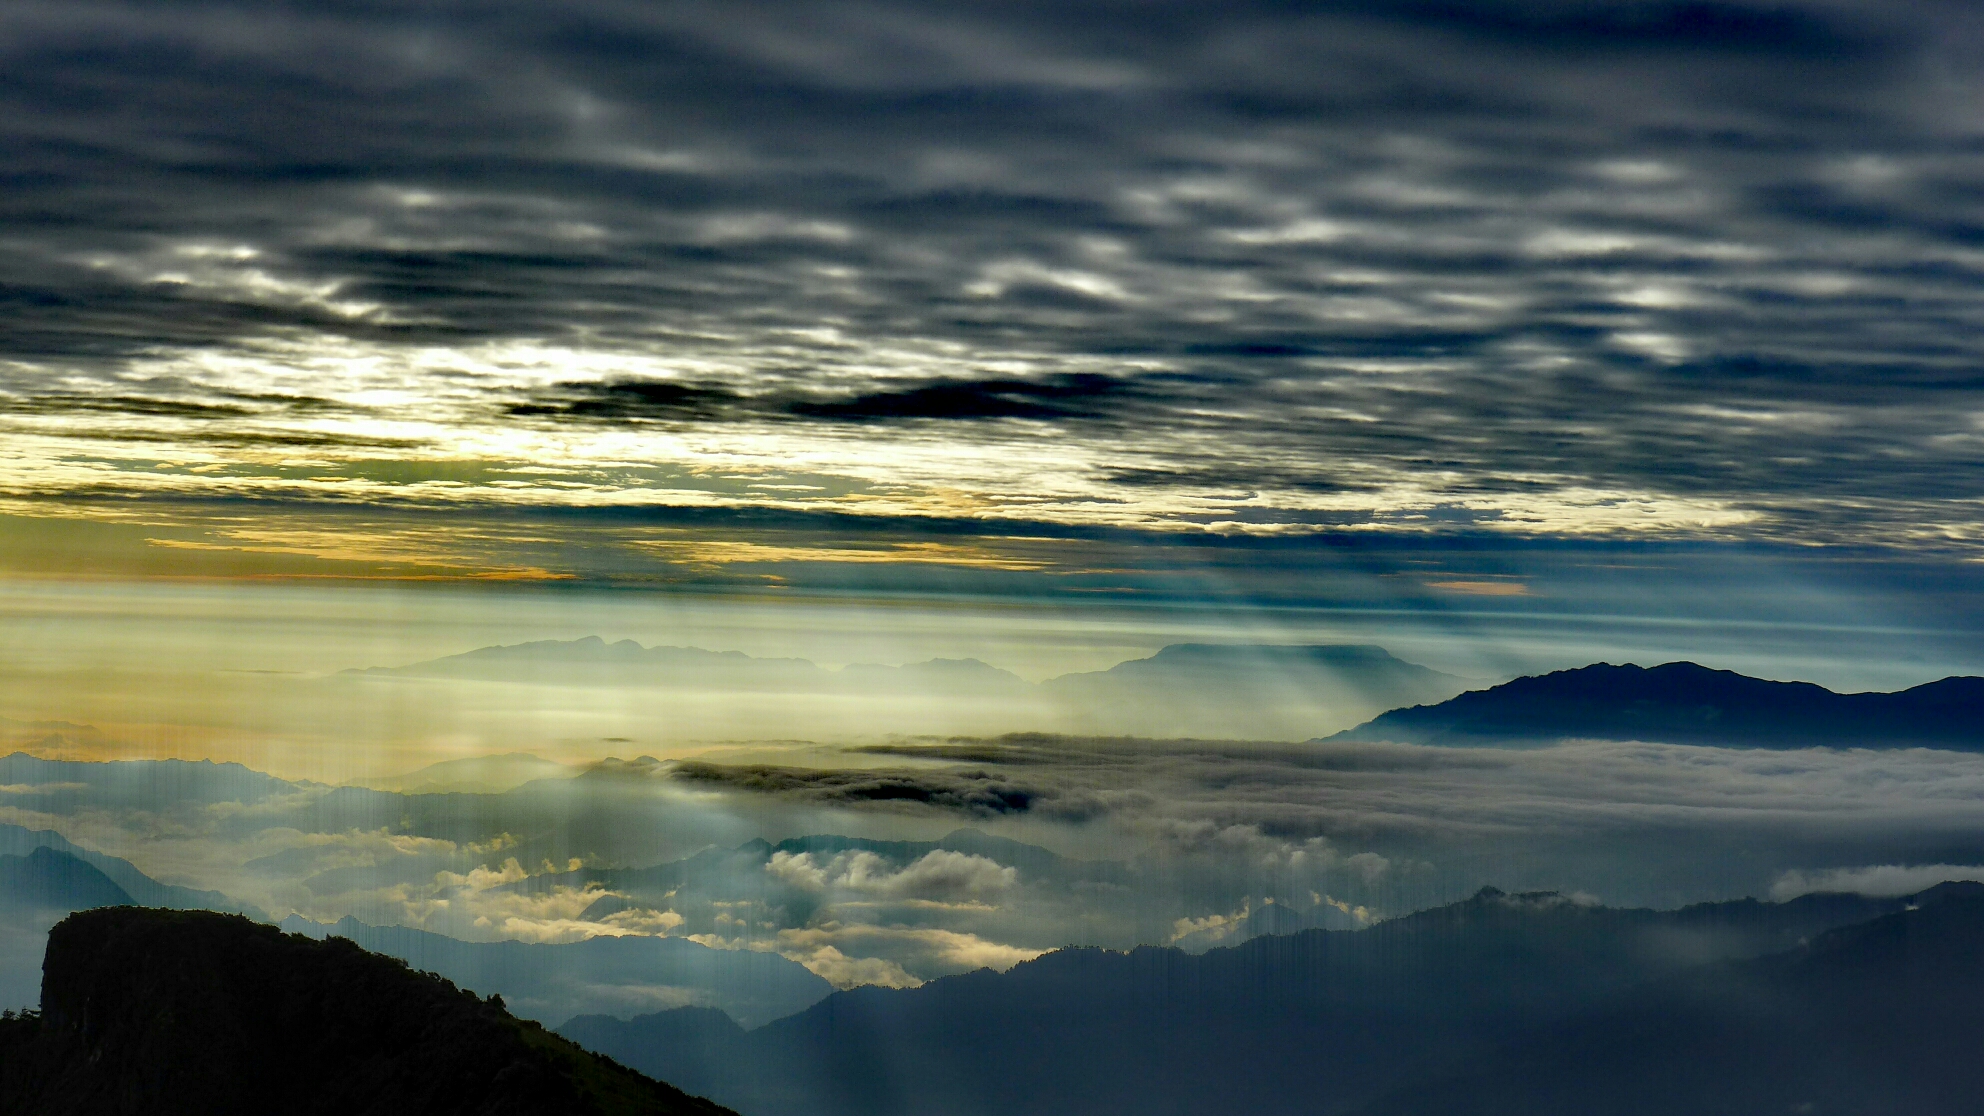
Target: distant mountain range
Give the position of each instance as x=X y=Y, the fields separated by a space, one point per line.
x=19 y=841
x=1533 y=1004
x=44 y=877
x=1683 y=703
x=1206 y=689
x=1884 y=1017
x=62 y=784
x=593 y=661
x=170 y=1012
x=1188 y=689
x=1317 y=1022
x=475 y=775
x=1236 y=691
x=55 y=881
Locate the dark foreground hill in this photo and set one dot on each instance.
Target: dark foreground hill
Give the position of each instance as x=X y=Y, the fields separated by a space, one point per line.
x=1312 y=1023
x=160 y=1012
x=1683 y=703
x=1880 y=1019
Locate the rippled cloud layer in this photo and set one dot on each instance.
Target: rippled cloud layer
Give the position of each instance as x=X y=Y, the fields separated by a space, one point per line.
x=1698 y=270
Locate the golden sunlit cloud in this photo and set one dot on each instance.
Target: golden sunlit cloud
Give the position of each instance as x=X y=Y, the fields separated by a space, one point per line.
x=1482 y=588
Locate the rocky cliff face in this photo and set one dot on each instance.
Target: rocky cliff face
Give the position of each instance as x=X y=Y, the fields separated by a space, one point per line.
x=165 y=1012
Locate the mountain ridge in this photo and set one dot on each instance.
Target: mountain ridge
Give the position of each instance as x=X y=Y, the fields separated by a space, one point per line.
x=48 y=879
x=1333 y=1017
x=1686 y=703
x=1874 y=1018
x=596 y=650
x=19 y=840
x=177 y=1012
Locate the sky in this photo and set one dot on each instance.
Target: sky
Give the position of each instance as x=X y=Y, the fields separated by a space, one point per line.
x=1510 y=336
x=981 y=294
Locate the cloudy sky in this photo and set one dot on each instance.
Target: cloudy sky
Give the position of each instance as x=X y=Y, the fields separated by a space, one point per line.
x=742 y=292
x=1509 y=335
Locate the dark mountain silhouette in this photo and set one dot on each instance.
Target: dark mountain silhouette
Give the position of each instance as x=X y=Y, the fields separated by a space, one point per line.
x=18 y=840
x=168 y=1012
x=1316 y=1022
x=46 y=879
x=692 y=1036
x=1880 y=1019
x=553 y=981
x=1358 y=666
x=43 y=876
x=1686 y=703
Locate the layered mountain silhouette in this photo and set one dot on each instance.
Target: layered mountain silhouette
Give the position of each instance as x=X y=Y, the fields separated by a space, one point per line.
x=50 y=880
x=1316 y=1022
x=1498 y=1005
x=552 y=981
x=692 y=1036
x=169 y=1012
x=44 y=876
x=1686 y=703
x=137 y=887
x=1188 y=689
x=1879 y=1019
x=63 y=784
x=544 y=981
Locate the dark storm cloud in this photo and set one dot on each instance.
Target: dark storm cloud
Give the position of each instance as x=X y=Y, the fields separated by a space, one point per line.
x=635 y=399
x=1053 y=397
x=968 y=791
x=1713 y=252
x=1073 y=396
x=1699 y=26
x=124 y=405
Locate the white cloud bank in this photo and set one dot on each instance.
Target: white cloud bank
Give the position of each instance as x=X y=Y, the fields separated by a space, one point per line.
x=1880 y=881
